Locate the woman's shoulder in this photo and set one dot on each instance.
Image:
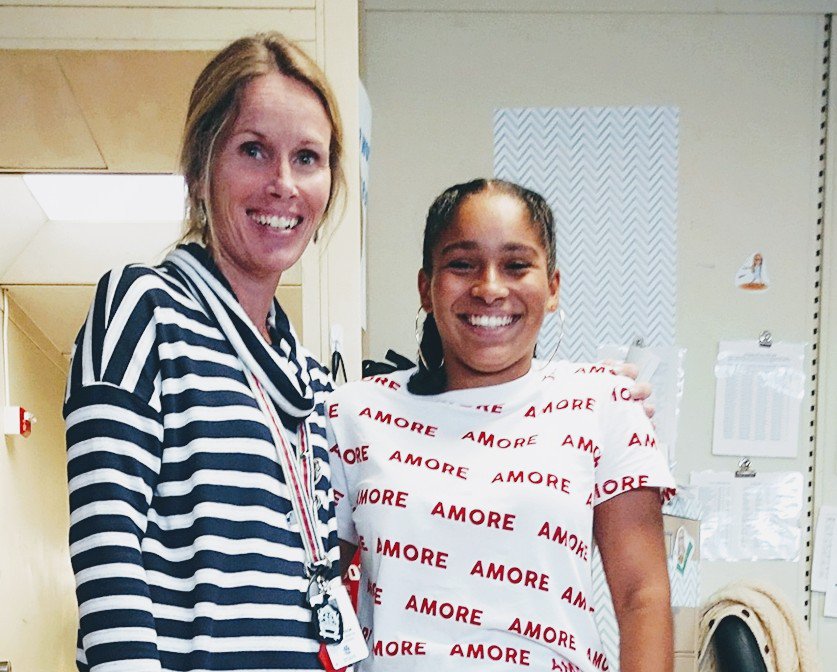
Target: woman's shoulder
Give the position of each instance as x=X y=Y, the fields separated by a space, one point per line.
x=595 y=380
x=392 y=385
x=141 y=280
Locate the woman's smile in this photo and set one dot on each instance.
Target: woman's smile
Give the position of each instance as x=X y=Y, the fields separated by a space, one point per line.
x=280 y=222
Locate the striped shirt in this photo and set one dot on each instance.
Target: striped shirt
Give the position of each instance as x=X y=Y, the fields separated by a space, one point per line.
x=186 y=553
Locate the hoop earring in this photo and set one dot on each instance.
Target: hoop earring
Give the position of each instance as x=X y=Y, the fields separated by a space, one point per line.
x=561 y=317
x=420 y=337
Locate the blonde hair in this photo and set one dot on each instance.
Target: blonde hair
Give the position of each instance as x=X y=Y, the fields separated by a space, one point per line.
x=214 y=105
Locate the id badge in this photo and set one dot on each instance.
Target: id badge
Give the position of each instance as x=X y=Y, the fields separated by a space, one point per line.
x=352 y=648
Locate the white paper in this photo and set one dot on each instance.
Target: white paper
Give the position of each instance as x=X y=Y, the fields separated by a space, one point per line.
x=353 y=647
x=365 y=124
x=823 y=548
x=830 y=607
x=755 y=518
x=758 y=399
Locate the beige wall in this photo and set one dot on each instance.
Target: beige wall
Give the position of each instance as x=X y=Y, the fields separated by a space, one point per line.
x=38 y=618
x=748 y=87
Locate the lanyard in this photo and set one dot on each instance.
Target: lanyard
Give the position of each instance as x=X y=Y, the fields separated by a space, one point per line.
x=299 y=478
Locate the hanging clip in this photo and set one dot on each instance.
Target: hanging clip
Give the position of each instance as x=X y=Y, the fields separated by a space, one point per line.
x=744 y=469
x=639 y=342
x=765 y=339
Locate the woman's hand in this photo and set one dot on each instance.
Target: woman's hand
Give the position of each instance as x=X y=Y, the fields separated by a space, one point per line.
x=640 y=391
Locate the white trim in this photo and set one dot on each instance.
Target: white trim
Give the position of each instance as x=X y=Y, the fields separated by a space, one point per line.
x=607 y=6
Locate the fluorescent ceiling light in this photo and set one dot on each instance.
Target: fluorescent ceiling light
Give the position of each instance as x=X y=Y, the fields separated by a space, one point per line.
x=117 y=199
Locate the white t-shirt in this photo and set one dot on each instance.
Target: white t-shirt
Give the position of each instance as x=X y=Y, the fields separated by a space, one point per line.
x=473 y=510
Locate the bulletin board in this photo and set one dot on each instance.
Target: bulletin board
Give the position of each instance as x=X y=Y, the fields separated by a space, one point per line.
x=750 y=96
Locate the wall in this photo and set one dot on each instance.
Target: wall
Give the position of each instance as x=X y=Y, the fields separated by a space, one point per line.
x=748 y=85
x=38 y=618
x=825 y=477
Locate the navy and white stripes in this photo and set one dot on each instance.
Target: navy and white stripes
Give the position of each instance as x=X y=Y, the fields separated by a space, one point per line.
x=184 y=553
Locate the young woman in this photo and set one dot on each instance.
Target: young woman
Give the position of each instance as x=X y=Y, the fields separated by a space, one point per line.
x=476 y=485
x=195 y=423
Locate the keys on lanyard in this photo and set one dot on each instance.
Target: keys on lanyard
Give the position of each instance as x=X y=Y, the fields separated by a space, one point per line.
x=341 y=639
x=328 y=620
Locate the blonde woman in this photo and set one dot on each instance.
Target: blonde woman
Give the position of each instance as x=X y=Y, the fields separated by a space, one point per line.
x=192 y=410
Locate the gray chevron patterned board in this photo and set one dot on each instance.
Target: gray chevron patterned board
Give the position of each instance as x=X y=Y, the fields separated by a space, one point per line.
x=610 y=175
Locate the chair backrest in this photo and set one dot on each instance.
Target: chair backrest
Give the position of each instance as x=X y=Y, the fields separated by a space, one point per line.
x=736 y=649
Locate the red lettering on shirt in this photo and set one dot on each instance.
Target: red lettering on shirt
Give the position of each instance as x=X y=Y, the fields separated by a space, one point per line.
x=385 y=497
x=569 y=539
x=375 y=591
x=400 y=648
x=544 y=633
x=585 y=446
x=432 y=464
x=493 y=408
x=445 y=610
x=400 y=422
x=525 y=578
x=596 y=369
x=649 y=442
x=488 y=439
x=598 y=659
x=475 y=516
x=576 y=598
x=412 y=553
x=332 y=411
x=564 y=666
x=666 y=494
x=587 y=404
x=498 y=654
x=535 y=478
x=616 y=486
x=352 y=455
x=383 y=380
x=621 y=394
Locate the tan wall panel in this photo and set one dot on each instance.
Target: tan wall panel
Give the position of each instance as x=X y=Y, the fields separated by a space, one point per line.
x=43 y=126
x=290 y=298
x=102 y=27
x=221 y=4
x=135 y=103
x=38 y=618
x=340 y=283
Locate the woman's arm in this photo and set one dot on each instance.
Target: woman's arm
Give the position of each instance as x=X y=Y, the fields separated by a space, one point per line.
x=629 y=532
x=114 y=448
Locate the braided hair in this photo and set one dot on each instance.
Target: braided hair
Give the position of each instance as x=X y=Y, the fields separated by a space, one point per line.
x=431 y=379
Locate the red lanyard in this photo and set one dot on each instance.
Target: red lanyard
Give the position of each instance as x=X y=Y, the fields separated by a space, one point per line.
x=299 y=477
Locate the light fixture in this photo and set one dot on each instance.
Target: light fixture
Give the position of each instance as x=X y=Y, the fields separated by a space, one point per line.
x=110 y=198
